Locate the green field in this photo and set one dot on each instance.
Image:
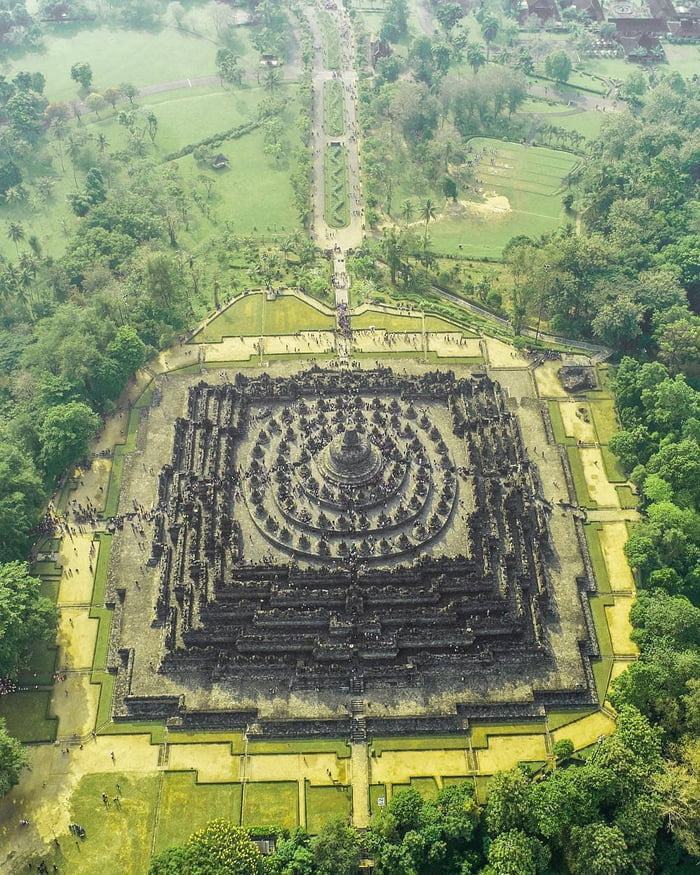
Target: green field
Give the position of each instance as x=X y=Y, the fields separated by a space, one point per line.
x=521 y=194
x=253 y=193
x=142 y=57
x=244 y=318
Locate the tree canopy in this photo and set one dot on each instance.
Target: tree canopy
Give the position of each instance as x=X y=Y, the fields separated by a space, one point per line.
x=26 y=617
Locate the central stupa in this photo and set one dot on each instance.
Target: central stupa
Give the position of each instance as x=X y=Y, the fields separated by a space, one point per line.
x=350 y=459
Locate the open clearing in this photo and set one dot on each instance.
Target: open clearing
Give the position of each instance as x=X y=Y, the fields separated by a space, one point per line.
x=520 y=193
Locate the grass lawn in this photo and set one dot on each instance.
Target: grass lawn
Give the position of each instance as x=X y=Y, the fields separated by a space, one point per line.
x=332 y=50
x=587 y=123
x=118 y=838
x=580 y=484
x=613 y=467
x=683 y=59
x=521 y=194
x=613 y=68
x=335 y=187
x=628 y=500
x=253 y=194
x=142 y=57
x=326 y=803
x=186 y=806
x=26 y=715
x=243 y=318
x=376 y=792
x=184 y=116
x=434 y=742
x=557 y=719
x=595 y=551
x=333 y=108
x=604 y=419
x=271 y=802
x=427 y=787
x=41 y=665
x=301 y=745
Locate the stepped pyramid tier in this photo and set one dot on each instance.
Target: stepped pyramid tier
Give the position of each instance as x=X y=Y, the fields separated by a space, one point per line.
x=350 y=459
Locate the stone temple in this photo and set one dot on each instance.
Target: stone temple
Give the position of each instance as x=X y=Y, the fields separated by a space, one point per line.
x=338 y=534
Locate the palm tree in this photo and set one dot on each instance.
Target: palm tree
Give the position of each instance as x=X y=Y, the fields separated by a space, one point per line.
x=45 y=186
x=475 y=57
x=407 y=211
x=489 y=30
x=15 y=194
x=15 y=232
x=102 y=143
x=427 y=213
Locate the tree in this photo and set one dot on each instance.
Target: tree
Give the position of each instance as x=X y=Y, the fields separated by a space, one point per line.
x=95 y=102
x=95 y=189
x=336 y=849
x=15 y=232
x=152 y=121
x=81 y=73
x=475 y=57
x=427 y=213
x=509 y=803
x=515 y=853
x=21 y=495
x=112 y=95
x=129 y=91
x=13 y=758
x=449 y=14
x=25 y=616
x=220 y=848
x=127 y=350
x=10 y=176
x=407 y=210
x=272 y=81
x=65 y=434
x=598 y=849
x=558 y=66
x=227 y=65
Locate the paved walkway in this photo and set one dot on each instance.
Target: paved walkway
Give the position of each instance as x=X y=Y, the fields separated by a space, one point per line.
x=326 y=237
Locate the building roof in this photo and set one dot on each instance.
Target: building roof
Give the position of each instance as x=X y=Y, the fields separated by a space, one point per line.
x=591 y=7
x=543 y=9
x=663 y=9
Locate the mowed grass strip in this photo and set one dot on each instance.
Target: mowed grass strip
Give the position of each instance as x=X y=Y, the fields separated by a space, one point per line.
x=186 y=806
